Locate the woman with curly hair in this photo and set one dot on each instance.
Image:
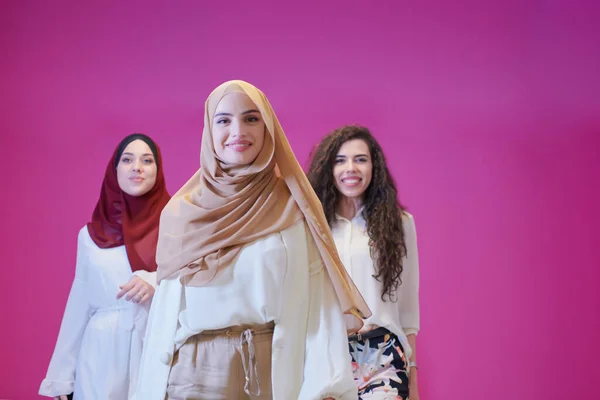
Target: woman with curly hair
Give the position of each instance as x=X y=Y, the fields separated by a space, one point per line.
x=376 y=240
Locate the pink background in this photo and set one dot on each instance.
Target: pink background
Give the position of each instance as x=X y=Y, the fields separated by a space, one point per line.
x=489 y=115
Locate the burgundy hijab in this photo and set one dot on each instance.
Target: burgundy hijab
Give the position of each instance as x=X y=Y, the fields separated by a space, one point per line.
x=120 y=219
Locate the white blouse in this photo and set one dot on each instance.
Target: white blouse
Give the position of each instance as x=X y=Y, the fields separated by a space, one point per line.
x=402 y=316
x=278 y=278
x=99 y=345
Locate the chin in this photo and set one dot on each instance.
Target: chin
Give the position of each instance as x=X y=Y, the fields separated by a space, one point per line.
x=137 y=193
x=244 y=158
x=241 y=160
x=353 y=194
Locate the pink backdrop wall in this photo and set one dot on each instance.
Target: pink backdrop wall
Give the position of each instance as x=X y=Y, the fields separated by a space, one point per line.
x=489 y=115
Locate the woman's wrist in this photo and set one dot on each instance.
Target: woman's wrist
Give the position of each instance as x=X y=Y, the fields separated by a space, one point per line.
x=412 y=373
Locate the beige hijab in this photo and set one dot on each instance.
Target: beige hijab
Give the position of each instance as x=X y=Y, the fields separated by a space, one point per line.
x=222 y=208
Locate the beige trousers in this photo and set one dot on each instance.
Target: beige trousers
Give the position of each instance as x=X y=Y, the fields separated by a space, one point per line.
x=232 y=363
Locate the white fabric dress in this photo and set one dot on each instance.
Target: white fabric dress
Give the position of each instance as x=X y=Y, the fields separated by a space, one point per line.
x=278 y=278
x=99 y=345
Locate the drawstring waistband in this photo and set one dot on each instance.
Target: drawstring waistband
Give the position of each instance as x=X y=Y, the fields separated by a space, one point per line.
x=250 y=370
x=247 y=334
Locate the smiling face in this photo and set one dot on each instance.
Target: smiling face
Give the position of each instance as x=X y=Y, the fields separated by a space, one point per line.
x=136 y=170
x=238 y=130
x=353 y=169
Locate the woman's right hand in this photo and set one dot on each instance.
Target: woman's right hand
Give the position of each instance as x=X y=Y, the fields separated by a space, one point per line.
x=367 y=328
x=61 y=397
x=137 y=290
x=363 y=330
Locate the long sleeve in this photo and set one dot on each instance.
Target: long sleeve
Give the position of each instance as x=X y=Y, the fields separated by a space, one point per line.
x=310 y=357
x=408 y=299
x=158 y=351
x=60 y=378
x=327 y=368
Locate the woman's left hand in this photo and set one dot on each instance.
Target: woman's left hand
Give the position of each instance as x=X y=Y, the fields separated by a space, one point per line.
x=137 y=290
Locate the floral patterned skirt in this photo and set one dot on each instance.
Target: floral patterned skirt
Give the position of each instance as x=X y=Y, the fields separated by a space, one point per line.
x=379 y=365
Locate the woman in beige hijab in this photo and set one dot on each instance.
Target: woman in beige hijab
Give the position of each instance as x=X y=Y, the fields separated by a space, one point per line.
x=253 y=300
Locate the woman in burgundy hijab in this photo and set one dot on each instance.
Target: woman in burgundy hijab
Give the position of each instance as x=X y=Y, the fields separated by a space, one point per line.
x=99 y=345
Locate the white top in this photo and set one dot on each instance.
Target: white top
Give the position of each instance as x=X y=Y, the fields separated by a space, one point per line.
x=402 y=316
x=99 y=345
x=272 y=279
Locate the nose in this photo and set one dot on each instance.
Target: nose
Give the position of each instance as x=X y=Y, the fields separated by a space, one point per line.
x=137 y=166
x=351 y=166
x=235 y=128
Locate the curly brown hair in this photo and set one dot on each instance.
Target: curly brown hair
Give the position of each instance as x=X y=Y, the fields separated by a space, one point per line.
x=382 y=210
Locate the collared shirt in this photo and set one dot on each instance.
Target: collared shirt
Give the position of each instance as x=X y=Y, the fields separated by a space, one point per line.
x=402 y=315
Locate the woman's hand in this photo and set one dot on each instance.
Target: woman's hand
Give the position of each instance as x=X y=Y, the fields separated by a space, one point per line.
x=61 y=397
x=137 y=290
x=363 y=330
x=367 y=328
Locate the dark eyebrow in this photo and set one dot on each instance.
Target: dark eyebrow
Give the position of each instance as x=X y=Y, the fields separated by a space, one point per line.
x=250 y=111
x=356 y=155
x=143 y=155
x=231 y=115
